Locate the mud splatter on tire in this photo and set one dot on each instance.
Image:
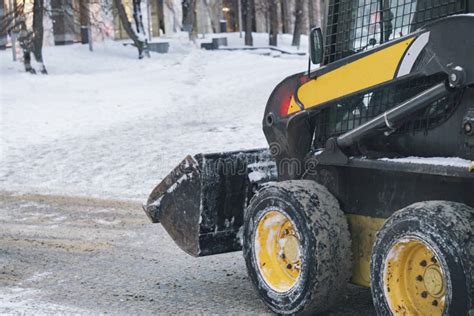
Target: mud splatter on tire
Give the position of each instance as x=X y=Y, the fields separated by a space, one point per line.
x=325 y=244
x=447 y=229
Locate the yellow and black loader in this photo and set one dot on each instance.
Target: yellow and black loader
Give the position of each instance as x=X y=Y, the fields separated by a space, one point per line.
x=368 y=177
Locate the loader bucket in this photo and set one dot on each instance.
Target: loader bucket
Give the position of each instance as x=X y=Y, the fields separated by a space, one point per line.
x=201 y=202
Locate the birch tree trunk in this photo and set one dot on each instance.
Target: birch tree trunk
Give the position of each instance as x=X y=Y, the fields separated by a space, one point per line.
x=31 y=41
x=298 y=22
x=273 y=34
x=140 y=41
x=315 y=13
x=321 y=11
x=249 y=7
x=138 y=18
x=25 y=37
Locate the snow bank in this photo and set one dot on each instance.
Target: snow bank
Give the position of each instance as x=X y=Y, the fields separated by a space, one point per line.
x=105 y=124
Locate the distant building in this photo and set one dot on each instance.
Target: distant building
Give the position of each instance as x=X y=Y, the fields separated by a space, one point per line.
x=165 y=17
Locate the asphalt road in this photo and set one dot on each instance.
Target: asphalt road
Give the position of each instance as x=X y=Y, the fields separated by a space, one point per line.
x=71 y=255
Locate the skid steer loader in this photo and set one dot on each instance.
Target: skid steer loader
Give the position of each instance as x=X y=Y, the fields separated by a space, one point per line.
x=368 y=177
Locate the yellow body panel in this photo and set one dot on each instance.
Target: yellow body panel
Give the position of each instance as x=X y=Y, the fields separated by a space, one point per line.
x=277 y=250
x=363 y=233
x=471 y=167
x=414 y=282
x=366 y=72
x=293 y=106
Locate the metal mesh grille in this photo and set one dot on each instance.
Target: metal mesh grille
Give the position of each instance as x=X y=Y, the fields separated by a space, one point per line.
x=350 y=112
x=356 y=25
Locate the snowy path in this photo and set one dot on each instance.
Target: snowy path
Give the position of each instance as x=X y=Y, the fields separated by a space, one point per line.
x=61 y=258
x=107 y=125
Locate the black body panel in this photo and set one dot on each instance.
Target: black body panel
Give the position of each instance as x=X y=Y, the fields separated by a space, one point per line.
x=446 y=140
x=378 y=188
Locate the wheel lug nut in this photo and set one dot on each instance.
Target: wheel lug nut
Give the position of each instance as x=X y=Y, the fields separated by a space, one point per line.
x=423 y=263
x=434 y=303
x=282 y=256
x=468 y=128
x=289 y=266
x=424 y=294
x=419 y=278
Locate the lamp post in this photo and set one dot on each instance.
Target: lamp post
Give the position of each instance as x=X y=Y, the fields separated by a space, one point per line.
x=239 y=8
x=223 y=21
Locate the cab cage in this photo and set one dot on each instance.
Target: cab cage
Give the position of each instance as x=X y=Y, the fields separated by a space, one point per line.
x=356 y=25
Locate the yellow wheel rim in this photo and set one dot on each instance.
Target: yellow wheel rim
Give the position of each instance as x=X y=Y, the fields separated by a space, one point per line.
x=414 y=282
x=278 y=251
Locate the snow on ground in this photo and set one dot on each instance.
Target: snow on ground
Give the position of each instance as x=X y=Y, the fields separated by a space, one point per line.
x=438 y=161
x=21 y=301
x=105 y=124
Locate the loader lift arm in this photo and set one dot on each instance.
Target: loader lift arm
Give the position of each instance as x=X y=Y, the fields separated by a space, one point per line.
x=333 y=151
x=291 y=125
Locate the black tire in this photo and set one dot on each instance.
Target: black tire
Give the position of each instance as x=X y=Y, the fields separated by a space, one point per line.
x=325 y=245
x=447 y=228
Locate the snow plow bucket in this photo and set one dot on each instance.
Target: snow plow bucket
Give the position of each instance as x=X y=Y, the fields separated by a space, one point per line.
x=201 y=202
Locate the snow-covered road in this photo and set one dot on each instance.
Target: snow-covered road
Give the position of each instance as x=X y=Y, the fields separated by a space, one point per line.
x=104 y=124
x=72 y=257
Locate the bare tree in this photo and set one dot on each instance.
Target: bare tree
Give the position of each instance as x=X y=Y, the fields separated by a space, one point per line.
x=261 y=15
x=84 y=13
x=316 y=13
x=249 y=7
x=213 y=9
x=190 y=18
x=138 y=36
x=25 y=39
x=299 y=20
x=31 y=41
x=138 y=18
x=93 y=14
x=312 y=13
x=286 y=16
x=273 y=14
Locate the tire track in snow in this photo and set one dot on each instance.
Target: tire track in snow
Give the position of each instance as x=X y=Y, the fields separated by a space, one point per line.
x=82 y=201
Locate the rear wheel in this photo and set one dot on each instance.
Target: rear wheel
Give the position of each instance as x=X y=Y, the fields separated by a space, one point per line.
x=297 y=247
x=421 y=262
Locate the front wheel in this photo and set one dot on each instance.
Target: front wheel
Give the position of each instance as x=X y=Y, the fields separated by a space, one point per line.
x=297 y=247
x=422 y=261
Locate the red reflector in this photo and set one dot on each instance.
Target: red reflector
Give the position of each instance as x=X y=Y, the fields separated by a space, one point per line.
x=286 y=92
x=285 y=105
